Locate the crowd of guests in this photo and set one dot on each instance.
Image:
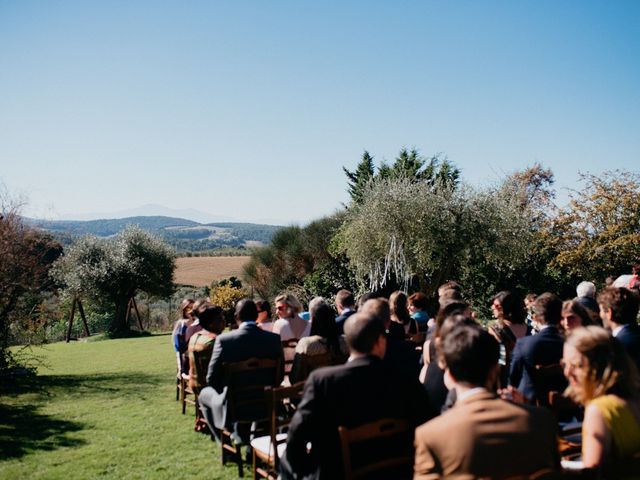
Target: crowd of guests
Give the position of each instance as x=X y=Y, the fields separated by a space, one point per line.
x=477 y=397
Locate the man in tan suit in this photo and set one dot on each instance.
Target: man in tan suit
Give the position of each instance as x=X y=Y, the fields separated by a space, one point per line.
x=482 y=435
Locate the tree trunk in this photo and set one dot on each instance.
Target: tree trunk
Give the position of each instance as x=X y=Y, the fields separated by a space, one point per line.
x=119 y=322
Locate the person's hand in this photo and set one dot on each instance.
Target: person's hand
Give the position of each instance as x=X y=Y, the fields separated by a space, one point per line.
x=512 y=394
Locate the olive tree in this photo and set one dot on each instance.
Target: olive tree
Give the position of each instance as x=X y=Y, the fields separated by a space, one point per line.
x=115 y=269
x=405 y=228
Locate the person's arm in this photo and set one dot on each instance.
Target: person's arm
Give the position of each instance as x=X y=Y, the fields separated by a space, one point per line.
x=301 y=430
x=214 y=372
x=425 y=466
x=596 y=437
x=517 y=366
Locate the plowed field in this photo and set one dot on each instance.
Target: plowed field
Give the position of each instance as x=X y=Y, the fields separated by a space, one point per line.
x=201 y=271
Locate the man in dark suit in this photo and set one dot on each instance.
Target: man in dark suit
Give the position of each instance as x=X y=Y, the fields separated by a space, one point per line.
x=482 y=436
x=619 y=312
x=361 y=391
x=247 y=341
x=544 y=348
x=345 y=304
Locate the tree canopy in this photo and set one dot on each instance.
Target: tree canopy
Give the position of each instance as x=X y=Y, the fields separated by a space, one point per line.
x=115 y=269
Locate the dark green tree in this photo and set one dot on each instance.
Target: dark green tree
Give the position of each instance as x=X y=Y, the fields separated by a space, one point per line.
x=358 y=179
x=437 y=172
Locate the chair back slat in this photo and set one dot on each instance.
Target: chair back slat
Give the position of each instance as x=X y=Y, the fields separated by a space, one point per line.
x=383 y=432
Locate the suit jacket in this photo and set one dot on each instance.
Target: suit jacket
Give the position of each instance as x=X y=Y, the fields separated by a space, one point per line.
x=361 y=391
x=544 y=348
x=340 y=319
x=629 y=336
x=246 y=342
x=483 y=436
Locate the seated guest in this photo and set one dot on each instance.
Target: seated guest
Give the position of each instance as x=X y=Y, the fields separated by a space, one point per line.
x=180 y=329
x=482 y=436
x=543 y=348
x=432 y=374
x=265 y=320
x=345 y=304
x=289 y=324
x=574 y=315
x=400 y=313
x=201 y=344
x=586 y=296
x=619 y=312
x=358 y=392
x=401 y=356
x=509 y=311
x=191 y=329
x=324 y=339
x=243 y=343
x=603 y=378
x=418 y=304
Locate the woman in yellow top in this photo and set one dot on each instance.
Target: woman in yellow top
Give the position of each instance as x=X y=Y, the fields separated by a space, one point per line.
x=603 y=378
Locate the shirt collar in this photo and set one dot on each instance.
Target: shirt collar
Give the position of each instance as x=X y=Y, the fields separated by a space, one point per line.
x=471 y=392
x=617 y=330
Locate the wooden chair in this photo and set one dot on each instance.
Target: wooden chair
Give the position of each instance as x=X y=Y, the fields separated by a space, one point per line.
x=304 y=364
x=246 y=402
x=187 y=395
x=268 y=449
x=289 y=345
x=386 y=432
x=549 y=378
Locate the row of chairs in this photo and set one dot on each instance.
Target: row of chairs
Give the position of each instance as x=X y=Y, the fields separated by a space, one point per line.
x=265 y=411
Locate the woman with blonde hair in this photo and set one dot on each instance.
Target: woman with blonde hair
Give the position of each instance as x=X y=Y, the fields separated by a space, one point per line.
x=603 y=378
x=289 y=325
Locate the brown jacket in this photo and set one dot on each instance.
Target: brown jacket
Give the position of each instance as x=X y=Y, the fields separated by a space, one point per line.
x=483 y=436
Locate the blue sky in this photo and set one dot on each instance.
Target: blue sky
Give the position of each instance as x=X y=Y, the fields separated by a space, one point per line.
x=250 y=109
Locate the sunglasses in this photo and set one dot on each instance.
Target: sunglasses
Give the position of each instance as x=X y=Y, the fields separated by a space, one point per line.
x=281 y=307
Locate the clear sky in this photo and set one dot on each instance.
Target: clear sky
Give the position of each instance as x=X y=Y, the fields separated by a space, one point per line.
x=249 y=109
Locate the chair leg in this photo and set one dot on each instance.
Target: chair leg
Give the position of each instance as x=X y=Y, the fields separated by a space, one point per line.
x=239 y=460
x=183 y=395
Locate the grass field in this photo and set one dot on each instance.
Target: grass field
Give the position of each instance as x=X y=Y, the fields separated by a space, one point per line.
x=104 y=409
x=201 y=271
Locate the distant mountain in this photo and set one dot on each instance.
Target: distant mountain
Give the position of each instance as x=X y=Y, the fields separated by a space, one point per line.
x=182 y=234
x=154 y=210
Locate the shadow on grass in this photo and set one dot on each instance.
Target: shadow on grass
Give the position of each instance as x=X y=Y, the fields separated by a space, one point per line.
x=136 y=384
x=23 y=430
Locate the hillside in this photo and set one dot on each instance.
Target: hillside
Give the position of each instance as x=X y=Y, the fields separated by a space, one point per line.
x=184 y=235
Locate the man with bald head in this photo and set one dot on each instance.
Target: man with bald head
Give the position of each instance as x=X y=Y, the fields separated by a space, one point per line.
x=361 y=391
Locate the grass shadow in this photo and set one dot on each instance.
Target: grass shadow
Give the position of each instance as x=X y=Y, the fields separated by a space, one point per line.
x=129 y=383
x=24 y=430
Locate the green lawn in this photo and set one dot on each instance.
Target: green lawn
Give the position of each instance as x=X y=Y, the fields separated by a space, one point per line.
x=104 y=409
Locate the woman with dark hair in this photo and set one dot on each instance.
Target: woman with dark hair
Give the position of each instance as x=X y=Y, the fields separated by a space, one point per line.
x=324 y=339
x=603 y=378
x=398 y=303
x=418 y=304
x=574 y=315
x=432 y=374
x=265 y=320
x=510 y=312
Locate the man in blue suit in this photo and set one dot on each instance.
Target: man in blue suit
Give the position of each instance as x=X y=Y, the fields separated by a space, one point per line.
x=619 y=312
x=247 y=341
x=544 y=348
x=345 y=304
